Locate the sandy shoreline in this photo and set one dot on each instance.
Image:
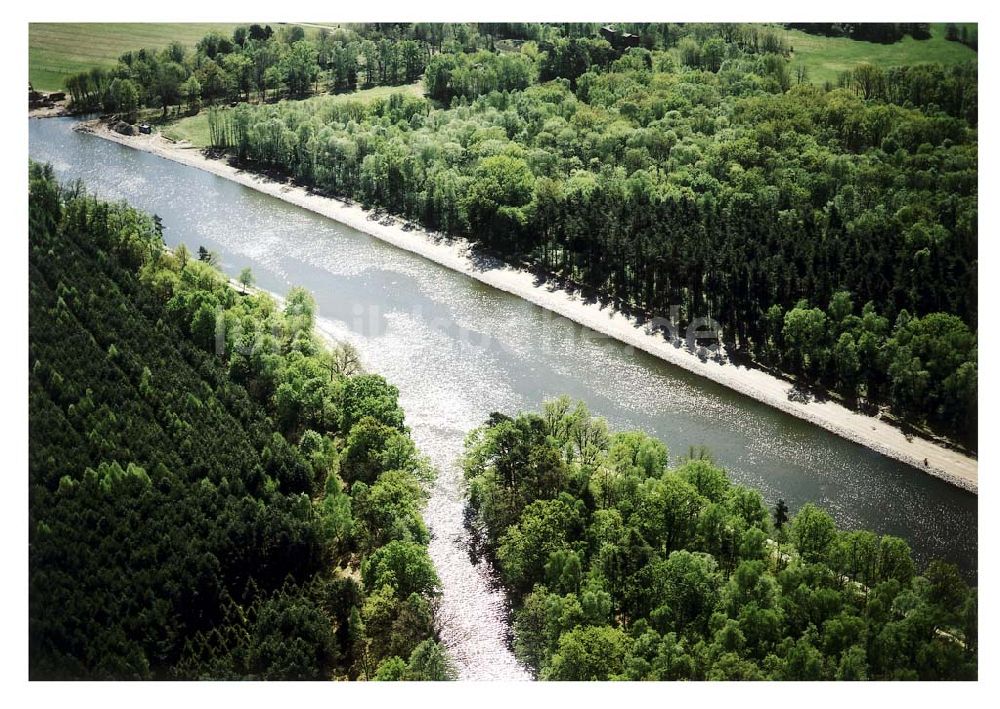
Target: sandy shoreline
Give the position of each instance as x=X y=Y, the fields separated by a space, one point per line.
x=59 y=109
x=876 y=434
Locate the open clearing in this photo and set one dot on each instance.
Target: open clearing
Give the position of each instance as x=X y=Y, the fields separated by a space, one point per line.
x=57 y=49
x=826 y=57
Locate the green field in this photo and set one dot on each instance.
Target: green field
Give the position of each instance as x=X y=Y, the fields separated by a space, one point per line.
x=826 y=57
x=194 y=129
x=56 y=50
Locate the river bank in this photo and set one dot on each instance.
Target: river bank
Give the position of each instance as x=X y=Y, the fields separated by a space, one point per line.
x=873 y=433
x=59 y=108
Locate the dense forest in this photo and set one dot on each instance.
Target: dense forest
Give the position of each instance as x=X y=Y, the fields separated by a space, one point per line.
x=217 y=493
x=214 y=493
x=831 y=231
x=622 y=566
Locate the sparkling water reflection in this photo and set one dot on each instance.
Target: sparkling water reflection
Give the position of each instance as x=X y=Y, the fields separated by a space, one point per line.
x=458 y=350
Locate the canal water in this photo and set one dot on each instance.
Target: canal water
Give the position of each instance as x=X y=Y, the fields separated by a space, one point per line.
x=458 y=350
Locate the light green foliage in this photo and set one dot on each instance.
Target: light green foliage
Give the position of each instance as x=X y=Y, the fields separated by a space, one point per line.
x=402 y=566
x=191 y=91
x=390 y=509
x=500 y=189
x=933 y=366
x=370 y=395
x=894 y=560
x=632 y=456
x=545 y=527
x=373 y=448
x=430 y=663
x=392 y=669
x=246 y=278
x=108 y=475
x=592 y=653
x=666 y=511
x=804 y=334
x=672 y=574
x=203 y=326
x=334 y=511
x=123 y=98
x=813 y=531
x=710 y=482
x=300 y=311
x=466 y=76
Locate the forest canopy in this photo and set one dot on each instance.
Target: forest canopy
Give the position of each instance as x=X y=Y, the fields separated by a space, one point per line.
x=830 y=230
x=625 y=564
x=214 y=492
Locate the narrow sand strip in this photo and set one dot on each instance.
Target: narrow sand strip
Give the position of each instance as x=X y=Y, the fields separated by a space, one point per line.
x=879 y=435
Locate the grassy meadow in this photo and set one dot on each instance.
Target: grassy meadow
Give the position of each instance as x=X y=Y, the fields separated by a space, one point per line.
x=826 y=57
x=56 y=50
